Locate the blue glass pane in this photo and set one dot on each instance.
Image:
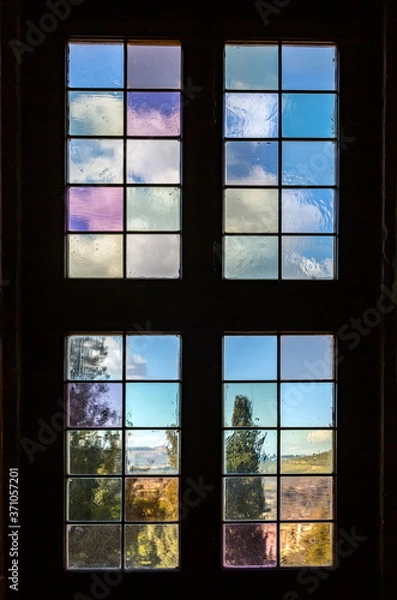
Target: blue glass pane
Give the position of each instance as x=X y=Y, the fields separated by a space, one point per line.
x=306 y=404
x=308 y=211
x=308 y=68
x=263 y=397
x=309 y=115
x=152 y=404
x=305 y=257
x=251 y=67
x=153 y=357
x=251 y=115
x=307 y=357
x=250 y=357
x=309 y=163
x=251 y=163
x=96 y=65
x=95 y=161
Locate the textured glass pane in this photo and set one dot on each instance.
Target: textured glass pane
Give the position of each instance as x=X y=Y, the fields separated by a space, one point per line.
x=249 y=545
x=250 y=498
x=307 y=404
x=263 y=399
x=152 y=452
x=153 y=161
x=306 y=498
x=94 y=546
x=251 y=115
x=94 y=357
x=307 y=257
x=153 y=66
x=95 y=161
x=309 y=115
x=92 y=499
x=251 y=67
x=250 y=357
x=96 y=113
x=153 y=357
x=307 y=356
x=95 y=255
x=250 y=451
x=306 y=544
x=308 y=67
x=95 y=209
x=153 y=256
x=309 y=163
x=249 y=257
x=308 y=211
x=95 y=404
x=306 y=451
x=152 y=404
x=94 y=452
x=153 y=208
x=151 y=499
x=152 y=546
x=251 y=163
x=154 y=113
x=251 y=211
x=96 y=65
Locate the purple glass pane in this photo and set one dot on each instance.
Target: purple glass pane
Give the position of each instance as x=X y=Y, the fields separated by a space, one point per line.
x=154 y=66
x=95 y=209
x=156 y=113
x=96 y=404
x=250 y=545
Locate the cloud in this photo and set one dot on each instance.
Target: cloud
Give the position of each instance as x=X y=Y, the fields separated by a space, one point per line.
x=256 y=175
x=92 y=255
x=153 y=161
x=136 y=366
x=307 y=211
x=251 y=115
x=156 y=255
x=96 y=113
x=95 y=161
x=319 y=437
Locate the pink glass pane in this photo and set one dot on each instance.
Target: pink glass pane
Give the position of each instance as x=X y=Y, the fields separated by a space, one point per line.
x=250 y=545
x=95 y=209
x=153 y=113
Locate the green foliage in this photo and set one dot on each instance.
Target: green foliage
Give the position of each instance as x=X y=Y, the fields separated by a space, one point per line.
x=152 y=546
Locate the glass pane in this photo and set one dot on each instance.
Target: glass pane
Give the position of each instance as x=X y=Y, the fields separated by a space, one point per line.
x=152 y=452
x=94 y=546
x=309 y=163
x=151 y=499
x=152 y=404
x=307 y=404
x=95 y=209
x=95 y=255
x=308 y=67
x=251 y=115
x=153 y=161
x=262 y=398
x=306 y=498
x=307 y=356
x=251 y=211
x=96 y=65
x=96 y=113
x=249 y=257
x=153 y=357
x=250 y=545
x=251 y=67
x=306 y=544
x=309 y=115
x=251 y=163
x=307 y=257
x=152 y=546
x=92 y=499
x=306 y=451
x=251 y=357
x=153 y=256
x=250 y=451
x=94 y=357
x=250 y=498
x=153 y=208
x=153 y=66
x=308 y=211
x=95 y=404
x=94 y=452
x=153 y=113
x=95 y=161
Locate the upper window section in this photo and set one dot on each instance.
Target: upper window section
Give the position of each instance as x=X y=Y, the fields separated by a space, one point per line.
x=123 y=192
x=280 y=161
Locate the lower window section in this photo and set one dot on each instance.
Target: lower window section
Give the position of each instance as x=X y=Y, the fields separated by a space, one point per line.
x=279 y=451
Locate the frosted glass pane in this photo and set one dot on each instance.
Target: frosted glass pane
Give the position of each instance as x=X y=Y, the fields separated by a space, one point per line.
x=96 y=113
x=151 y=357
x=152 y=452
x=153 y=66
x=94 y=546
x=251 y=211
x=95 y=161
x=92 y=499
x=250 y=498
x=96 y=65
x=152 y=404
x=96 y=452
x=251 y=67
x=307 y=257
x=306 y=498
x=251 y=163
x=306 y=451
x=306 y=544
x=153 y=256
x=263 y=399
x=94 y=357
x=309 y=163
x=95 y=255
x=249 y=257
x=151 y=499
x=308 y=211
x=153 y=208
x=249 y=357
x=261 y=458
x=251 y=115
x=151 y=114
x=152 y=546
x=95 y=404
x=95 y=208
x=153 y=161
x=250 y=545
x=309 y=115
x=307 y=357
x=307 y=404
x=308 y=67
